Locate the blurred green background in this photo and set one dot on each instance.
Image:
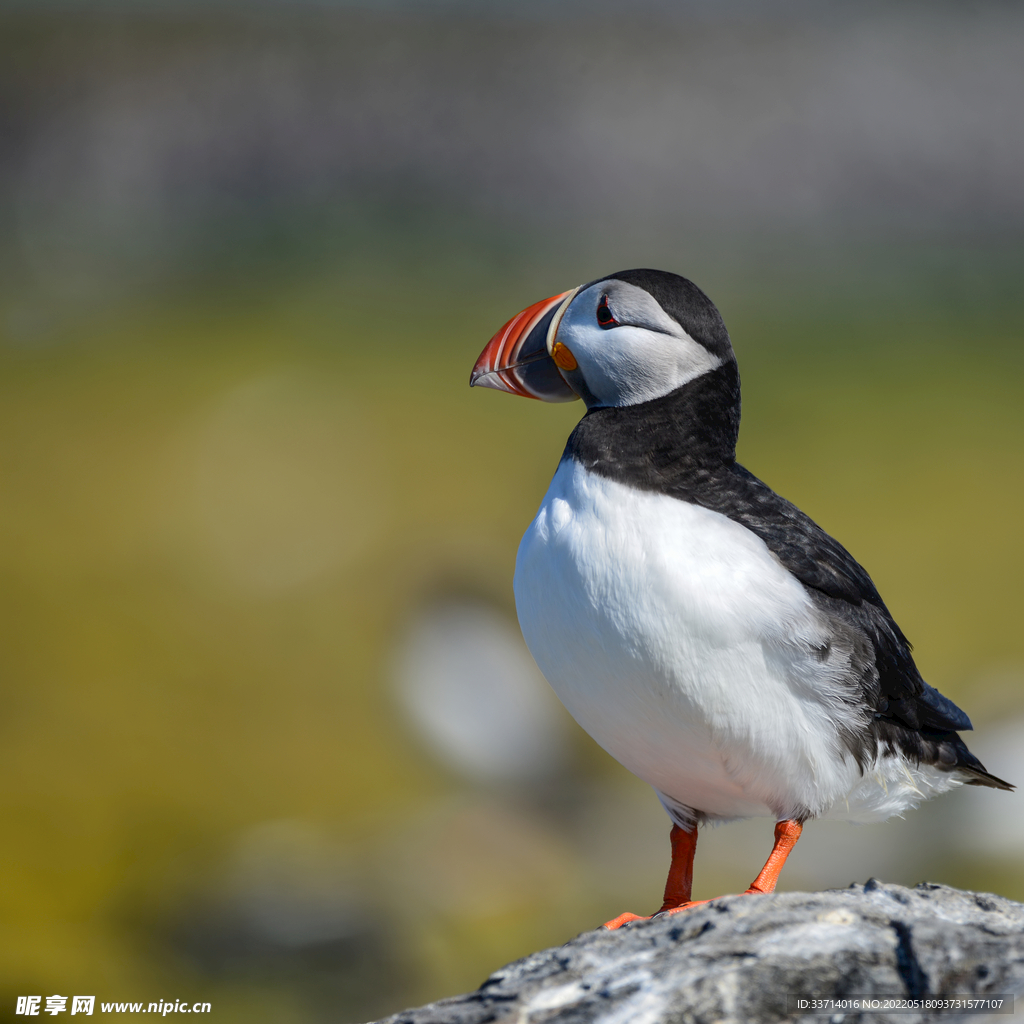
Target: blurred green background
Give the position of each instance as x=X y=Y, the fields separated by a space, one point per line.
x=269 y=736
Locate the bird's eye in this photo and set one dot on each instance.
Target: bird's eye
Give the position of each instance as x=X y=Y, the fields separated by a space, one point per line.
x=604 y=314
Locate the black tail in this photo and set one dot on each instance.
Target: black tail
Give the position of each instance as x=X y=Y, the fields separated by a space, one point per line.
x=980 y=777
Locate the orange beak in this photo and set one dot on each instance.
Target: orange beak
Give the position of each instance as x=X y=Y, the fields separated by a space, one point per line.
x=517 y=360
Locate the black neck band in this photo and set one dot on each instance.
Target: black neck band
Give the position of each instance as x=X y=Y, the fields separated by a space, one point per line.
x=666 y=444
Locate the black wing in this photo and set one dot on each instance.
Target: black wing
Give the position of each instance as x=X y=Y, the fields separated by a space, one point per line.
x=907 y=712
x=823 y=565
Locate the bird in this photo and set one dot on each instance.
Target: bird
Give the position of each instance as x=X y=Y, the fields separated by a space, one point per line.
x=707 y=633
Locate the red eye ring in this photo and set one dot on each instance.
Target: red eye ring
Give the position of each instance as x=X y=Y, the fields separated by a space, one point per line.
x=604 y=314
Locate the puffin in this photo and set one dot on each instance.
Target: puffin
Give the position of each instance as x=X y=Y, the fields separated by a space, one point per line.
x=709 y=635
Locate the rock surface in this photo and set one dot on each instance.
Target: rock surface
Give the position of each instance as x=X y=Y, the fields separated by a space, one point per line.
x=748 y=958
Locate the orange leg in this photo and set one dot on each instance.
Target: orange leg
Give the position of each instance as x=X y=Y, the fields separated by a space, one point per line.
x=680 y=878
x=787 y=832
x=679 y=886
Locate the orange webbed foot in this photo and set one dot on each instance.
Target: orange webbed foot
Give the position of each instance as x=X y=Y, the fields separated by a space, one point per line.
x=689 y=905
x=627 y=918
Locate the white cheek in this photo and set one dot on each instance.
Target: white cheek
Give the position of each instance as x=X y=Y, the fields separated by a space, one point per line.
x=629 y=365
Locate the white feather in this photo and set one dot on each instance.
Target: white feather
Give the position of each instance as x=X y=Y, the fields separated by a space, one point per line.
x=679 y=642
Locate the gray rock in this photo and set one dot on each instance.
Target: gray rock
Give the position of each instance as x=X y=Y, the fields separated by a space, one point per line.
x=746 y=958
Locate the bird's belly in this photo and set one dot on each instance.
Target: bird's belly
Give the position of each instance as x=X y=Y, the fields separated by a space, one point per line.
x=678 y=642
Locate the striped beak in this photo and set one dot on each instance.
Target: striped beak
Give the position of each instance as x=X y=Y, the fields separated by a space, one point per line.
x=517 y=359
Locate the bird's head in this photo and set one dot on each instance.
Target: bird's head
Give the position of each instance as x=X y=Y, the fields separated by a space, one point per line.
x=629 y=338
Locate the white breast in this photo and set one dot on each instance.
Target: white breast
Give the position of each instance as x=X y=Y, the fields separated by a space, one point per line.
x=679 y=642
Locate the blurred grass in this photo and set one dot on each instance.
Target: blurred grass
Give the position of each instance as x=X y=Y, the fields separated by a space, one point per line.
x=218 y=510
